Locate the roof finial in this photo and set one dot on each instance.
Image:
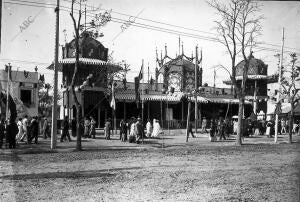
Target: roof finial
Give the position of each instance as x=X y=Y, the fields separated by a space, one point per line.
x=182 y=49
x=179 y=45
x=166 y=53
x=192 y=55
x=161 y=55
x=156 y=53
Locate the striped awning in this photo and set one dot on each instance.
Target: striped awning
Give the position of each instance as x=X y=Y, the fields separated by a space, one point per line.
x=86 y=61
x=149 y=97
x=226 y=100
x=199 y=99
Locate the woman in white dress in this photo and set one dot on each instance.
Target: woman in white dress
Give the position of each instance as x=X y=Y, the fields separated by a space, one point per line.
x=148 y=128
x=20 y=133
x=132 y=133
x=156 y=129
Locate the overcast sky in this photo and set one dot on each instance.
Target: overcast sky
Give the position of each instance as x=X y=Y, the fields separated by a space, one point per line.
x=35 y=44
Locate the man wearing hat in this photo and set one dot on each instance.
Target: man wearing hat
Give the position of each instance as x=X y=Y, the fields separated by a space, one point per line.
x=140 y=130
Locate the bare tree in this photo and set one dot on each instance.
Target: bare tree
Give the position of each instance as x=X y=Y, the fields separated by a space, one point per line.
x=290 y=88
x=238 y=28
x=99 y=21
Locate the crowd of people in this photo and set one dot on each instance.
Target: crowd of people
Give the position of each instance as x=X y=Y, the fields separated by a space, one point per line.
x=24 y=130
x=223 y=128
x=133 y=130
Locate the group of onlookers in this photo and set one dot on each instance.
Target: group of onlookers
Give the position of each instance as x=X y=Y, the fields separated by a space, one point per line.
x=133 y=130
x=25 y=130
x=222 y=128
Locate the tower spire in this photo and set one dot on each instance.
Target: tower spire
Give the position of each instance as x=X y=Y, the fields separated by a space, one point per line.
x=166 y=52
x=179 y=45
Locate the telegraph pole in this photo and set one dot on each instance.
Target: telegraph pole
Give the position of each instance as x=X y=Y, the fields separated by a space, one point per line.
x=54 y=107
x=7 y=90
x=196 y=89
x=279 y=87
x=0 y=22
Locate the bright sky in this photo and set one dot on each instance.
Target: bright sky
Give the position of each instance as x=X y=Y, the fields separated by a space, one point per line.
x=35 y=44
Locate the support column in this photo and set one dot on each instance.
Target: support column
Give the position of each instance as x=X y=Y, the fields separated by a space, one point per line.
x=182 y=111
x=99 y=115
x=124 y=109
x=82 y=103
x=255 y=97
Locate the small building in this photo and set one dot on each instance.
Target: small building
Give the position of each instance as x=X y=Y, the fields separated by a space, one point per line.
x=93 y=60
x=256 y=89
x=23 y=87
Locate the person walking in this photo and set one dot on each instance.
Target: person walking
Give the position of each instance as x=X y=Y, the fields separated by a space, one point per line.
x=283 y=127
x=190 y=130
x=107 y=128
x=123 y=130
x=139 y=130
x=46 y=129
x=20 y=130
x=25 y=129
x=133 y=132
x=65 y=132
x=87 y=124
x=204 y=125
x=221 y=129
x=12 y=131
x=2 y=132
x=149 y=129
x=92 y=132
x=34 y=130
x=213 y=130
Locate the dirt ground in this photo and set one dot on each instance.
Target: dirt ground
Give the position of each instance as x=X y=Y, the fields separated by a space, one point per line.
x=165 y=169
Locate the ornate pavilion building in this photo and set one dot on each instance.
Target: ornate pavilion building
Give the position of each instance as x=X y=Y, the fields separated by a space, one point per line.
x=256 y=84
x=164 y=98
x=93 y=60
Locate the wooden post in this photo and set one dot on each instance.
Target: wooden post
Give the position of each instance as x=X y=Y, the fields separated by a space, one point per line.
x=255 y=97
x=182 y=111
x=124 y=103
x=99 y=115
x=188 y=121
x=196 y=89
x=279 y=87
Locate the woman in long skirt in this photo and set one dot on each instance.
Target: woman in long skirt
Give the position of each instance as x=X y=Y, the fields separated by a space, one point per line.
x=92 y=133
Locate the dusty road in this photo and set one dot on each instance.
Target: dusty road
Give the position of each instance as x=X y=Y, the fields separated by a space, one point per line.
x=115 y=171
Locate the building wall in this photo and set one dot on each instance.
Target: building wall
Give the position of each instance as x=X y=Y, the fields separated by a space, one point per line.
x=23 y=82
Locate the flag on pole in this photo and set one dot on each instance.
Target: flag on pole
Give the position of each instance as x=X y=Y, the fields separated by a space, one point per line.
x=137 y=85
x=141 y=74
x=112 y=100
x=21 y=109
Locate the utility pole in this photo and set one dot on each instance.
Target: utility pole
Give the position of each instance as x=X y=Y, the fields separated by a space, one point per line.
x=142 y=98
x=188 y=120
x=196 y=89
x=7 y=90
x=0 y=22
x=279 y=87
x=54 y=107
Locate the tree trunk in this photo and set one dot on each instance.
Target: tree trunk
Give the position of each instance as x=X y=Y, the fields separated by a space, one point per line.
x=79 y=126
x=79 y=120
x=240 y=129
x=291 y=123
x=188 y=121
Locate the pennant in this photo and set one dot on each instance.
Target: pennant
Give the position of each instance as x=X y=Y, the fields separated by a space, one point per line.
x=112 y=100
x=141 y=72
